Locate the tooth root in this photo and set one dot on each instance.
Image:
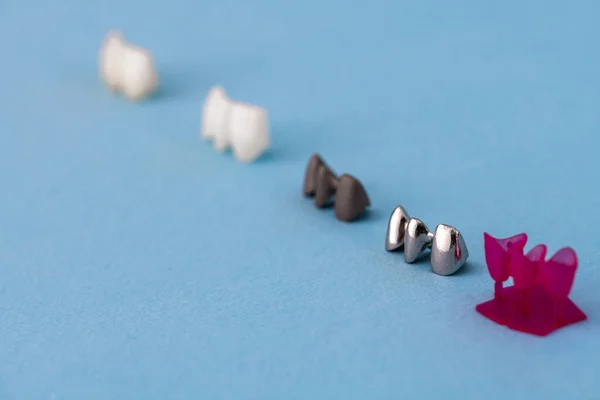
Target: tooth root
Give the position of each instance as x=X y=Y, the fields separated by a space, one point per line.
x=351 y=198
x=396 y=229
x=417 y=239
x=448 y=250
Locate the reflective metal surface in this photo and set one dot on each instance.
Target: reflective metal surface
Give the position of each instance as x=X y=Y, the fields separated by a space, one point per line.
x=394 y=240
x=448 y=248
x=417 y=239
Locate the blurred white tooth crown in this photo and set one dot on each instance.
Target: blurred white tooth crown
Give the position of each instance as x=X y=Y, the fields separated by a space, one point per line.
x=243 y=127
x=248 y=131
x=215 y=117
x=127 y=69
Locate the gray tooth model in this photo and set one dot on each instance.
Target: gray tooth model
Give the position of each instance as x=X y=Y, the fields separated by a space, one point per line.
x=351 y=198
x=320 y=182
x=310 y=176
x=326 y=187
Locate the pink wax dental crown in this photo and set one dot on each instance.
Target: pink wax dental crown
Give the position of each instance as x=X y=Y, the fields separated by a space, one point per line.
x=538 y=303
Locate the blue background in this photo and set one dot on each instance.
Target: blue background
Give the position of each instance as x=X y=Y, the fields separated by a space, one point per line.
x=137 y=263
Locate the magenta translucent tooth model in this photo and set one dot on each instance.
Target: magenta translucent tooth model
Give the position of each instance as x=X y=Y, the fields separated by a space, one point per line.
x=524 y=271
x=497 y=257
x=538 y=303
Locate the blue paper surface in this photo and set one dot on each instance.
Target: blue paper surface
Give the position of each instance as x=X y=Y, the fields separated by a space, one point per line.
x=137 y=263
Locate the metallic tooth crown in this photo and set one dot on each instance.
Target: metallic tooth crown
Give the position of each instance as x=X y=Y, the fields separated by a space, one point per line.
x=417 y=239
x=448 y=249
x=396 y=229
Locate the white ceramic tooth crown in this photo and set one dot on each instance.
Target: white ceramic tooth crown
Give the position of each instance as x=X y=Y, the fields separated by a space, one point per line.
x=248 y=131
x=110 y=56
x=244 y=127
x=215 y=117
x=126 y=68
